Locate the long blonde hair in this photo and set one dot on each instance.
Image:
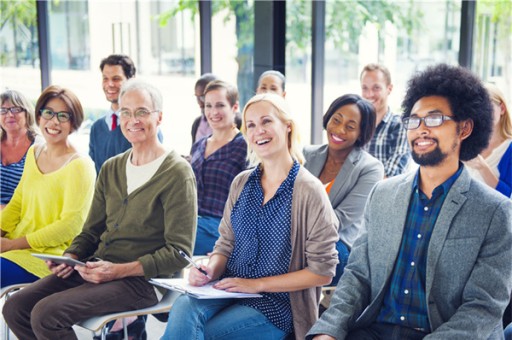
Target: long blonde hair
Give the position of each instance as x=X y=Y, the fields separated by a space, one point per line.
x=283 y=113
x=505 y=124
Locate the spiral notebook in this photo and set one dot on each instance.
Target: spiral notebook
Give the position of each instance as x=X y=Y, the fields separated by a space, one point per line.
x=204 y=292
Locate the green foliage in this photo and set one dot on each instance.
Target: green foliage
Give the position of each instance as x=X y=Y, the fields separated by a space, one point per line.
x=22 y=11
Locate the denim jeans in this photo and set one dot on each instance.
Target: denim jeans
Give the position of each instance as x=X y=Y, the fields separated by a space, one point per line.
x=207 y=234
x=343 y=254
x=192 y=318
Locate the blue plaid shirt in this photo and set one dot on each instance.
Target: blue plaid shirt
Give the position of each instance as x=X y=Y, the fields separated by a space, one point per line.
x=405 y=302
x=215 y=173
x=389 y=145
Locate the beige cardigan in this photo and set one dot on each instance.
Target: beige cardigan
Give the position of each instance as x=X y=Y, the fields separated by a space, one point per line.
x=314 y=235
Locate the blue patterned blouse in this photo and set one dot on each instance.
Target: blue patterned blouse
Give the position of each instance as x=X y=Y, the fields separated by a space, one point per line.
x=263 y=243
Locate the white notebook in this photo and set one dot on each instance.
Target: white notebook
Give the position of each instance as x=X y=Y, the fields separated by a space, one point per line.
x=204 y=292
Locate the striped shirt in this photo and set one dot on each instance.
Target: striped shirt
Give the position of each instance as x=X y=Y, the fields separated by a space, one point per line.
x=405 y=303
x=389 y=145
x=215 y=173
x=10 y=176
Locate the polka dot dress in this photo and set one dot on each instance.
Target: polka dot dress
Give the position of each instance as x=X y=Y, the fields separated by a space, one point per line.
x=262 y=243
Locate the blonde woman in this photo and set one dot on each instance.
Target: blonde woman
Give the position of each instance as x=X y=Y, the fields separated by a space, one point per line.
x=493 y=165
x=277 y=238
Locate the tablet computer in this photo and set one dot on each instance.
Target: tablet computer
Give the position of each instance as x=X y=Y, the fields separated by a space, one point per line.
x=60 y=259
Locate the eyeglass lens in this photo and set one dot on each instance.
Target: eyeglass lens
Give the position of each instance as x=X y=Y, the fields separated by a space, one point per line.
x=14 y=110
x=61 y=116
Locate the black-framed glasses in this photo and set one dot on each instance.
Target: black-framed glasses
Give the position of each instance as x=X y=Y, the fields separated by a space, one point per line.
x=61 y=116
x=411 y=123
x=14 y=110
x=138 y=114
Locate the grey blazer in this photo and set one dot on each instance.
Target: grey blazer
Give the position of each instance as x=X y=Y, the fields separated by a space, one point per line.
x=351 y=187
x=469 y=268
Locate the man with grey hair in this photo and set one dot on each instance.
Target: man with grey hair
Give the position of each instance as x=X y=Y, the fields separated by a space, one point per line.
x=144 y=209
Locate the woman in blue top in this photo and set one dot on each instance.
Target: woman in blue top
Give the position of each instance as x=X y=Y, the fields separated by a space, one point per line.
x=18 y=133
x=216 y=160
x=278 y=236
x=494 y=165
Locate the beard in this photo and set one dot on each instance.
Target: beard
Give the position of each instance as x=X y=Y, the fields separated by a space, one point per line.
x=431 y=158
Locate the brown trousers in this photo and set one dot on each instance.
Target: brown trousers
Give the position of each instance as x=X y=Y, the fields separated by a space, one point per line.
x=48 y=308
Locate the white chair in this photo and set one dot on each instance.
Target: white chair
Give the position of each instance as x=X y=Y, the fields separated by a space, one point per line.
x=5 y=292
x=99 y=323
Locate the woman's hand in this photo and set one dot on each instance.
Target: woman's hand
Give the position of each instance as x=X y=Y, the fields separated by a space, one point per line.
x=196 y=278
x=5 y=245
x=238 y=285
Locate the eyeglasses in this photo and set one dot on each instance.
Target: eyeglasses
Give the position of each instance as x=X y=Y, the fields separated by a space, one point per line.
x=61 y=116
x=14 y=110
x=139 y=114
x=411 y=123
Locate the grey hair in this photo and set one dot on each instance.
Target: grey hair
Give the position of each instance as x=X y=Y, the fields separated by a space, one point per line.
x=18 y=99
x=134 y=84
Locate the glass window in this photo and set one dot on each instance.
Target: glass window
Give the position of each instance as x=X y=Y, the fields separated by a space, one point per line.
x=19 y=48
x=405 y=36
x=298 y=64
x=233 y=45
x=492 y=56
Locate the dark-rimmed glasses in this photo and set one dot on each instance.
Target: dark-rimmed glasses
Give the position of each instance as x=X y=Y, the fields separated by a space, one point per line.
x=138 y=114
x=14 y=110
x=411 y=123
x=62 y=116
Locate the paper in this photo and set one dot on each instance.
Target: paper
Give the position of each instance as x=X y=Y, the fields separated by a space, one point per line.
x=205 y=292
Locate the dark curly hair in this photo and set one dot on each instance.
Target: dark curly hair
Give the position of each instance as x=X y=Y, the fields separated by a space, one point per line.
x=367 y=111
x=466 y=95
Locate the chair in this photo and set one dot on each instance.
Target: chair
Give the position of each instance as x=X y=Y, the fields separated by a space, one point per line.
x=5 y=292
x=99 y=323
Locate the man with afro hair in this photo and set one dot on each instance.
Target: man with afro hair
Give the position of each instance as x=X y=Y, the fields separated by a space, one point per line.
x=434 y=260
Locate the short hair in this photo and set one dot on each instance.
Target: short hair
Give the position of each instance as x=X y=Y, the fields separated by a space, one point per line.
x=18 y=99
x=284 y=114
x=140 y=85
x=377 y=67
x=231 y=91
x=205 y=79
x=122 y=60
x=274 y=73
x=70 y=100
x=466 y=95
x=366 y=110
x=505 y=124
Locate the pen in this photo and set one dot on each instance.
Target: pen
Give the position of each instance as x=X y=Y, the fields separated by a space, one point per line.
x=182 y=253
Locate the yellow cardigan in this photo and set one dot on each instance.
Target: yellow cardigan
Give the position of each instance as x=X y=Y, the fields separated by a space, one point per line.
x=49 y=209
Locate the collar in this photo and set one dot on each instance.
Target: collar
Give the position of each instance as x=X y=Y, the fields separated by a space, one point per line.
x=443 y=187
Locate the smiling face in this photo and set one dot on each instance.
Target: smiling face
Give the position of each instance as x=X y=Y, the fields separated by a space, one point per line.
x=142 y=129
x=218 y=111
x=435 y=145
x=272 y=84
x=13 y=122
x=54 y=131
x=375 y=89
x=113 y=79
x=267 y=135
x=344 y=128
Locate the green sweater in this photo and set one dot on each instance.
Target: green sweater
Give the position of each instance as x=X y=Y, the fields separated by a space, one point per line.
x=146 y=225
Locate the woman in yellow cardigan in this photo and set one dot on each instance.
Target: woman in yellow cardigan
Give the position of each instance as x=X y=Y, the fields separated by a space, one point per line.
x=54 y=195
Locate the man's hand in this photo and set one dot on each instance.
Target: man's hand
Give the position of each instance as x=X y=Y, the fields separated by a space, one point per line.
x=61 y=270
x=98 y=272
